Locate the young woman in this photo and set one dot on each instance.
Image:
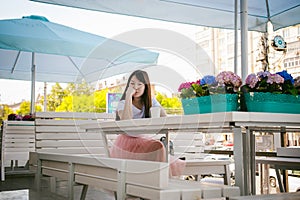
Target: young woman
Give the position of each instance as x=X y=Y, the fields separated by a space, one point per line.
x=135 y=103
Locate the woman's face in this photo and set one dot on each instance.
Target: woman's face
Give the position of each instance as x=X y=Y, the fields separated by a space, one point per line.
x=138 y=86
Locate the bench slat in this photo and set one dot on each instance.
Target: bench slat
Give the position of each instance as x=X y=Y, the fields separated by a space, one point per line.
x=72 y=115
x=68 y=136
x=69 y=143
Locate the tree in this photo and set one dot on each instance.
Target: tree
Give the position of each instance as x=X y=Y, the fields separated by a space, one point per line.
x=82 y=88
x=171 y=105
x=4 y=112
x=100 y=100
x=82 y=98
x=25 y=108
x=54 y=99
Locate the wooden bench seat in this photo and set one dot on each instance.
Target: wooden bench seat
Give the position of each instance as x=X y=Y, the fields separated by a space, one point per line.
x=145 y=179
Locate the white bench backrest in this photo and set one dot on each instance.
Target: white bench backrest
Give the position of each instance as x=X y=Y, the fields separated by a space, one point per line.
x=188 y=145
x=17 y=140
x=59 y=132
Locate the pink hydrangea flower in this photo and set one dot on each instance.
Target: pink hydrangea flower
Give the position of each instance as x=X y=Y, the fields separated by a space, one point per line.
x=275 y=78
x=185 y=85
x=263 y=74
x=227 y=78
x=251 y=80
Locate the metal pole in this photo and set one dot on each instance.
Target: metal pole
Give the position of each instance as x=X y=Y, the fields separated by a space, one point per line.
x=244 y=38
x=45 y=96
x=235 y=36
x=32 y=104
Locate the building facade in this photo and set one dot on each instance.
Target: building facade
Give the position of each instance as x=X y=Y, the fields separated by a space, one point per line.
x=219 y=45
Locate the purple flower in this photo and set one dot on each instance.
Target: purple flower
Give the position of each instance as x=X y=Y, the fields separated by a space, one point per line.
x=275 y=78
x=280 y=83
x=251 y=80
x=229 y=78
x=263 y=74
x=224 y=82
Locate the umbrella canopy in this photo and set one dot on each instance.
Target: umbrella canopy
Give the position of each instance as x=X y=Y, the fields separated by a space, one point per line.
x=212 y=13
x=229 y=14
x=32 y=48
x=63 y=54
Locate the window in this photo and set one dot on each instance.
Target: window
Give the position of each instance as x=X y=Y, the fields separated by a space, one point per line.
x=286 y=33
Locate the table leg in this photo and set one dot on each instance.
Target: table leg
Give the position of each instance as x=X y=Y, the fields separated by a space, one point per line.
x=167 y=146
x=247 y=158
x=281 y=186
x=252 y=162
x=239 y=159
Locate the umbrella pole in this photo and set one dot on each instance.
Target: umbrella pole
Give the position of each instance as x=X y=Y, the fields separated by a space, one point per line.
x=45 y=96
x=244 y=38
x=32 y=103
x=236 y=36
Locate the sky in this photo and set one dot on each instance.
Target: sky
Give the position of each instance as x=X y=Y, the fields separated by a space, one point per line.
x=104 y=24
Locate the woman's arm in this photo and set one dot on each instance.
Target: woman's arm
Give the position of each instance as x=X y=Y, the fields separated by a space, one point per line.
x=126 y=113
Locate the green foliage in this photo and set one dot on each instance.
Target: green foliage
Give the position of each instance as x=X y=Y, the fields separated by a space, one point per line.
x=78 y=101
x=82 y=98
x=171 y=105
x=66 y=105
x=82 y=88
x=201 y=90
x=55 y=98
x=4 y=112
x=100 y=100
x=25 y=108
x=83 y=103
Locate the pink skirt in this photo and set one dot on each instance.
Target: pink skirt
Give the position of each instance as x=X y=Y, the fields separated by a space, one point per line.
x=142 y=148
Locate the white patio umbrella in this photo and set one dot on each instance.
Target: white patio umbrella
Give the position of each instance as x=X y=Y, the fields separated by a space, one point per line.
x=32 y=48
x=211 y=13
x=229 y=14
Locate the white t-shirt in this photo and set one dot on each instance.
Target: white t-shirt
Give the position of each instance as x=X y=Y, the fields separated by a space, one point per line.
x=137 y=113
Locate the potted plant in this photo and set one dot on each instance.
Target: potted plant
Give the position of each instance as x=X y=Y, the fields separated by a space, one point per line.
x=211 y=94
x=271 y=92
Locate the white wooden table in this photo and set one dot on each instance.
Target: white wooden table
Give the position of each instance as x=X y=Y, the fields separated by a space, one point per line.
x=241 y=124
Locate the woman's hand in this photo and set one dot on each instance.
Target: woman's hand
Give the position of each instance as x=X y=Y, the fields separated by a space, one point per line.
x=130 y=91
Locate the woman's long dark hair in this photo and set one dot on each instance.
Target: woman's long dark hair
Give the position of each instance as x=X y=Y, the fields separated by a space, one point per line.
x=146 y=97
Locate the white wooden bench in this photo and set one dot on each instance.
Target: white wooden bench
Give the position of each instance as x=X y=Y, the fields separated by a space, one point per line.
x=18 y=140
x=59 y=132
x=144 y=179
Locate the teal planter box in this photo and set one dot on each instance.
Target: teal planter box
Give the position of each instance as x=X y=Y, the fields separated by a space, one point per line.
x=274 y=103
x=210 y=104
